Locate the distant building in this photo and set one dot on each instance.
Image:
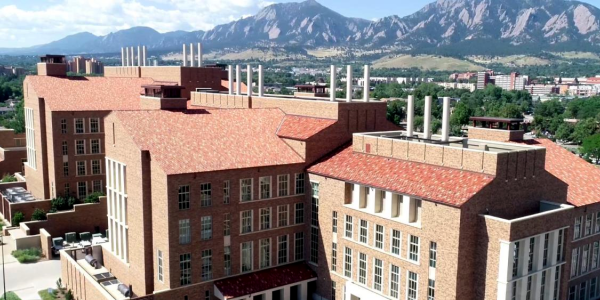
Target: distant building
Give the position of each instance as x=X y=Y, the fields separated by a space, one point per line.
x=6 y=70
x=462 y=76
x=457 y=85
x=542 y=89
x=514 y=81
x=483 y=79
x=83 y=65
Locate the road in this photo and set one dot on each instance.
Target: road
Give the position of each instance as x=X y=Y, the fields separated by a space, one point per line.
x=27 y=279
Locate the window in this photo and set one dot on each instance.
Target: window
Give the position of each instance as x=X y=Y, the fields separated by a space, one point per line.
x=333 y=290
x=299 y=246
x=65 y=148
x=597 y=227
x=595 y=256
x=66 y=169
x=207 y=295
x=226 y=192
x=206 y=228
x=299 y=213
x=582 y=290
x=97 y=186
x=574 y=262
x=528 y=291
x=81 y=190
x=514 y=291
x=411 y=289
x=205 y=194
x=160 y=266
x=334 y=257
x=227 y=260
x=63 y=126
x=206 y=265
x=80 y=147
x=314 y=245
x=315 y=204
x=226 y=224
x=395 y=245
x=584 y=258
x=413 y=248
x=299 y=183
x=531 y=249
x=572 y=292
x=379 y=236
x=265 y=187
x=378 y=275
x=431 y=290
x=30 y=138
x=246 y=187
x=348 y=263
x=185 y=265
x=184 y=232
x=95 y=146
x=184 y=197
x=593 y=285
x=265 y=218
x=282 y=249
x=282 y=215
x=349 y=226
x=96 y=167
x=588 y=224
x=515 y=267
x=560 y=250
x=79 y=126
x=283 y=185
x=394 y=281
x=362 y=268
x=81 y=168
x=265 y=253
x=556 y=283
x=545 y=254
x=577 y=228
x=246 y=256
x=363 y=231
x=432 y=254
x=67 y=189
x=94 y=125
x=246 y=221
x=543 y=285
x=334 y=222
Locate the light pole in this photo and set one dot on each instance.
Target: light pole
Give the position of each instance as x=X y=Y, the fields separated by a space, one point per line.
x=3 y=273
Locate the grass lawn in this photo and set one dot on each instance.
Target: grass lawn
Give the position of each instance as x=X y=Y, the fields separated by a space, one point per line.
x=27 y=255
x=11 y=296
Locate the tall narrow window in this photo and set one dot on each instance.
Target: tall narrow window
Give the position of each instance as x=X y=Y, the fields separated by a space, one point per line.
x=299 y=183
x=431 y=290
x=545 y=254
x=206 y=265
x=282 y=249
x=349 y=226
x=226 y=224
x=413 y=283
x=226 y=192
x=528 y=290
x=95 y=146
x=556 y=283
x=333 y=288
x=94 y=125
x=432 y=254
x=63 y=126
x=65 y=148
x=299 y=213
x=184 y=197
x=577 y=228
x=299 y=246
x=81 y=168
x=543 y=285
x=97 y=186
x=227 y=260
x=205 y=194
x=588 y=224
x=247 y=256
x=246 y=189
x=265 y=187
x=66 y=169
x=80 y=147
x=160 y=265
x=530 y=255
x=515 y=267
x=593 y=286
x=378 y=275
x=394 y=281
x=283 y=185
x=265 y=218
x=96 y=167
x=363 y=231
x=67 y=188
x=597 y=227
x=282 y=215
x=582 y=290
x=574 y=262
x=362 y=268
x=81 y=189
x=265 y=253
x=595 y=256
x=379 y=236
x=79 y=126
x=334 y=257
x=348 y=263
x=560 y=247
x=206 y=228
x=185 y=266
x=314 y=204
x=246 y=221
x=334 y=221
x=184 y=232
x=395 y=244
x=30 y=139
x=314 y=245
x=413 y=248
x=584 y=258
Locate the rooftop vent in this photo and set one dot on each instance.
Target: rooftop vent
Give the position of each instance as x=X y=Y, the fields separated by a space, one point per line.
x=497 y=129
x=163 y=96
x=52 y=65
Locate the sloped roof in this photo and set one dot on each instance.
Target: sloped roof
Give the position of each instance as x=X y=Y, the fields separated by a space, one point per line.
x=89 y=93
x=440 y=184
x=209 y=140
x=302 y=128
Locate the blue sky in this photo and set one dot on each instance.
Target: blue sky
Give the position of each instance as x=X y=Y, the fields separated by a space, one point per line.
x=31 y=22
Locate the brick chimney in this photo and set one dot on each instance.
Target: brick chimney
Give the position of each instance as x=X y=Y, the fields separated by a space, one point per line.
x=163 y=96
x=52 y=65
x=497 y=129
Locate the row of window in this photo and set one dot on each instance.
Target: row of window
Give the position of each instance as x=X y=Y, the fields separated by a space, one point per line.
x=82 y=188
x=80 y=147
x=265 y=217
x=246 y=190
x=30 y=138
x=530 y=252
x=531 y=283
x=80 y=125
x=283 y=256
x=587 y=290
x=586 y=227
x=82 y=170
x=584 y=259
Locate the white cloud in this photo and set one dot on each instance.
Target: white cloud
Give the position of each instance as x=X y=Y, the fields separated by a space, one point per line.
x=42 y=24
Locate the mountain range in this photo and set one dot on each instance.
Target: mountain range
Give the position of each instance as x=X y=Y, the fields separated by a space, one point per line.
x=441 y=24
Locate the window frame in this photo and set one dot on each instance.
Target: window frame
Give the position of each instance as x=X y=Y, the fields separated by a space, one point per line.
x=287 y=185
x=245 y=185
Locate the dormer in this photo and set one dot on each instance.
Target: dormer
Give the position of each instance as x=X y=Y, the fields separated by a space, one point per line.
x=52 y=65
x=163 y=96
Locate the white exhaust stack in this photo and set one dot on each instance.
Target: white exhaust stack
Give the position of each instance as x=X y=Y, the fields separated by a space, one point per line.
x=249 y=79
x=184 y=56
x=349 y=83
x=332 y=83
x=139 y=56
x=132 y=57
x=230 y=82
x=238 y=80
x=122 y=57
x=427 y=118
x=367 y=87
x=446 y=120
x=192 y=55
x=144 y=55
x=199 y=55
x=410 y=115
x=261 y=81
x=126 y=50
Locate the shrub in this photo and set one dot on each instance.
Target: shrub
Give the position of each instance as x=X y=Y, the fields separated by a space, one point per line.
x=48 y=294
x=60 y=203
x=27 y=255
x=10 y=296
x=17 y=218
x=9 y=178
x=93 y=197
x=69 y=295
x=38 y=215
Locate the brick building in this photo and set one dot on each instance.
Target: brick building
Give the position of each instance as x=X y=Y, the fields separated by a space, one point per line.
x=12 y=151
x=265 y=197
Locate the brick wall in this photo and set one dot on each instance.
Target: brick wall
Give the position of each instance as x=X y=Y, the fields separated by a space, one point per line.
x=37 y=179
x=498 y=135
x=27 y=208
x=83 y=286
x=11 y=160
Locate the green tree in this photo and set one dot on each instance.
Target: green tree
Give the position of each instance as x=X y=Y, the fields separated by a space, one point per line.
x=17 y=218
x=565 y=132
x=8 y=178
x=93 y=197
x=462 y=113
x=584 y=129
x=38 y=215
x=591 y=147
x=396 y=111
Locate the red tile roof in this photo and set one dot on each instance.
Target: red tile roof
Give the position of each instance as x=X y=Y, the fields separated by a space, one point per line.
x=302 y=128
x=263 y=280
x=582 y=178
x=209 y=140
x=434 y=183
x=88 y=93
